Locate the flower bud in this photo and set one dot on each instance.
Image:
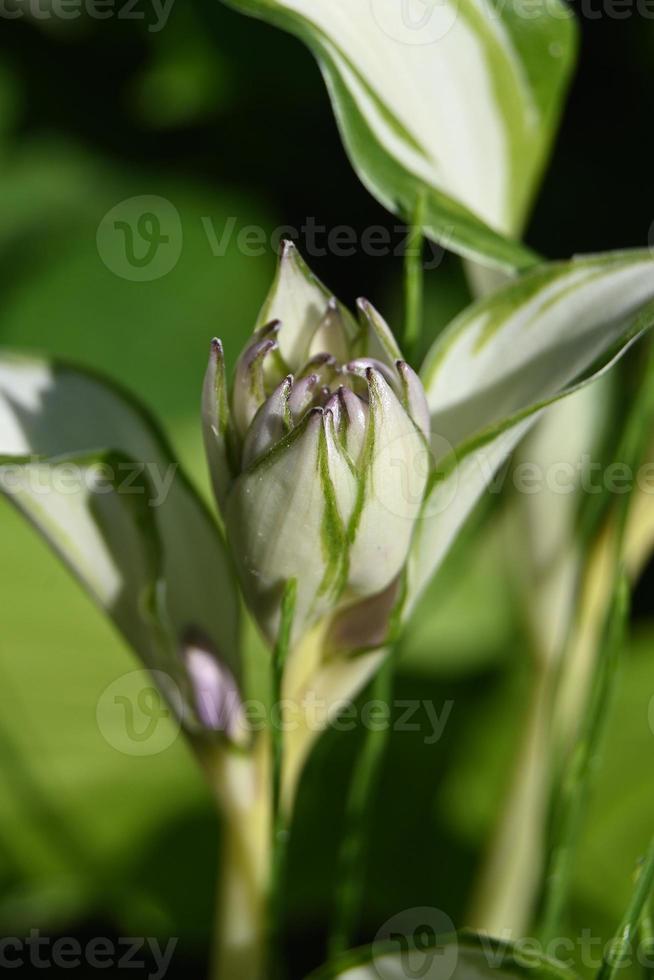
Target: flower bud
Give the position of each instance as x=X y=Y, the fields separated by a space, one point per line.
x=215 y=693
x=319 y=459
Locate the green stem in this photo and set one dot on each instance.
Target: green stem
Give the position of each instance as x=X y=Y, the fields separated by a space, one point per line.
x=413 y=281
x=618 y=951
x=576 y=782
x=363 y=787
x=278 y=825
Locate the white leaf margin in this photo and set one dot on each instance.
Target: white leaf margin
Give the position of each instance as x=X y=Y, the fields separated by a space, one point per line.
x=461 y=476
x=527 y=58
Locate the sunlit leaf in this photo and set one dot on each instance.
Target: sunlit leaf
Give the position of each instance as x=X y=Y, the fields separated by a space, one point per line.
x=502 y=362
x=453 y=104
x=88 y=467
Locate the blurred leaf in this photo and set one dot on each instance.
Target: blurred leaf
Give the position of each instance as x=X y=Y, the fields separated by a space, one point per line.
x=621 y=808
x=467 y=618
x=57 y=292
x=188 y=78
x=76 y=811
x=621 y=814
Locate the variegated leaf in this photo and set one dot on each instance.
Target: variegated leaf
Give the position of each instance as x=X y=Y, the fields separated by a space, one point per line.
x=86 y=465
x=503 y=361
x=451 y=104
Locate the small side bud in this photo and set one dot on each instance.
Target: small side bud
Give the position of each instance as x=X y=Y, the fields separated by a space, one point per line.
x=215 y=693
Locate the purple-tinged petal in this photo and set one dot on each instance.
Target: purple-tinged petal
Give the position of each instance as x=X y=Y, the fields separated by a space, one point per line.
x=270 y=424
x=333 y=405
x=360 y=365
x=215 y=692
x=324 y=365
x=302 y=395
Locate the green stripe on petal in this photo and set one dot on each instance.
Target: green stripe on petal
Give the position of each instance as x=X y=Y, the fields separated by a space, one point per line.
x=281 y=526
x=394 y=468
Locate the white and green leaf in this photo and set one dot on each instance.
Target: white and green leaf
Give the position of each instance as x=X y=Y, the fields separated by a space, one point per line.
x=505 y=360
x=86 y=465
x=453 y=105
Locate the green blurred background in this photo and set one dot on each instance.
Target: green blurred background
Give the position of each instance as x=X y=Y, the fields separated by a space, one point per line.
x=228 y=119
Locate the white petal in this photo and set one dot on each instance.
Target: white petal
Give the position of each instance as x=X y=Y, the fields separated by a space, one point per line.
x=299 y=301
x=330 y=335
x=280 y=527
x=380 y=342
x=215 y=421
x=415 y=400
x=302 y=395
x=355 y=422
x=396 y=465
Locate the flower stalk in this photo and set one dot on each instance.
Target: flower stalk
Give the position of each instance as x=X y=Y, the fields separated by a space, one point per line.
x=244 y=803
x=279 y=830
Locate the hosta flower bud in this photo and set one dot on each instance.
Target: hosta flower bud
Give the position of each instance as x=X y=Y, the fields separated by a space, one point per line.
x=215 y=693
x=319 y=458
